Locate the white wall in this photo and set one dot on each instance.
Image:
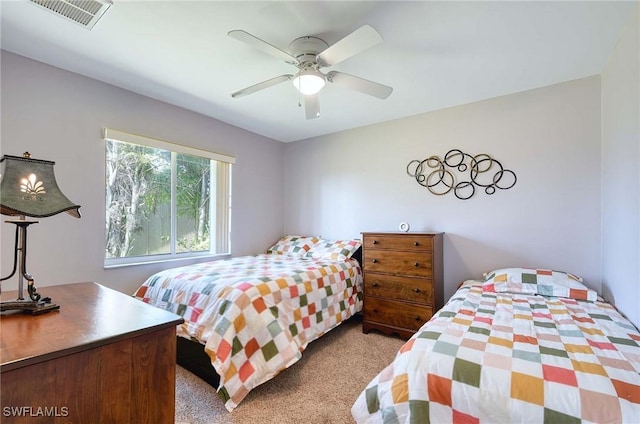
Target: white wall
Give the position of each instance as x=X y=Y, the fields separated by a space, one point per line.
x=58 y=115
x=621 y=173
x=341 y=184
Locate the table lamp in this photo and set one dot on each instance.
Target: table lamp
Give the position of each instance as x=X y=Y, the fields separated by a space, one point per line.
x=28 y=188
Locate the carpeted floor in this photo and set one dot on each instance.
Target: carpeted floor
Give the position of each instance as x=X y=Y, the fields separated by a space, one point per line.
x=320 y=388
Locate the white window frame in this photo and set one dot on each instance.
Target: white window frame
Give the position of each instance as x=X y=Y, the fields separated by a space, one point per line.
x=220 y=211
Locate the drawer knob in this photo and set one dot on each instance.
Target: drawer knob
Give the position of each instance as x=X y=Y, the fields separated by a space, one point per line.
x=374 y=260
x=416 y=244
x=418 y=319
x=375 y=242
x=416 y=264
x=375 y=284
x=417 y=290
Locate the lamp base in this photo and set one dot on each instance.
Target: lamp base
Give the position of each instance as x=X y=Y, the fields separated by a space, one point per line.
x=29 y=306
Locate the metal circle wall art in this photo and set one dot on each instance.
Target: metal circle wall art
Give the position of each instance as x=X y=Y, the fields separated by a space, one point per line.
x=482 y=171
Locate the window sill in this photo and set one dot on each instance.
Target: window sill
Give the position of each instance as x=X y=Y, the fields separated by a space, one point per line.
x=177 y=261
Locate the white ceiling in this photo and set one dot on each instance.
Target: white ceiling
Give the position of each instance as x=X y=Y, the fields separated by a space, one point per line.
x=434 y=54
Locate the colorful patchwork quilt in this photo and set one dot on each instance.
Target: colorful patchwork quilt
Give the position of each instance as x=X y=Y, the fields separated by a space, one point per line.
x=490 y=357
x=256 y=314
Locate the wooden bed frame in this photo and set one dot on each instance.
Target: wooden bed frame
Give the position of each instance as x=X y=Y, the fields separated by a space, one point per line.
x=191 y=354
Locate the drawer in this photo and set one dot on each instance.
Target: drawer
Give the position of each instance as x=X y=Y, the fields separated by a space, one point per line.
x=404 y=263
x=418 y=243
x=411 y=289
x=397 y=314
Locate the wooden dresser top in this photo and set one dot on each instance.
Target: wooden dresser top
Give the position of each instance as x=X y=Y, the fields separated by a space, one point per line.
x=90 y=316
x=399 y=233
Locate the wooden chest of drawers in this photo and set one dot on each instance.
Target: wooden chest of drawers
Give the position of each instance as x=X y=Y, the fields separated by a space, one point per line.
x=403 y=280
x=104 y=357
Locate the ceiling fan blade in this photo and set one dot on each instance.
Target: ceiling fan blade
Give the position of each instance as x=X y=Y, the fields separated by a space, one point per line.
x=261 y=86
x=358 y=41
x=362 y=85
x=311 y=106
x=260 y=44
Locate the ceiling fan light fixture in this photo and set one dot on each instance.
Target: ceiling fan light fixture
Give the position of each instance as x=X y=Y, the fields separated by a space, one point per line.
x=309 y=82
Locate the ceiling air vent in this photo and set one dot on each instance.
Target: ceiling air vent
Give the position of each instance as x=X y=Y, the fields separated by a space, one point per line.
x=83 y=12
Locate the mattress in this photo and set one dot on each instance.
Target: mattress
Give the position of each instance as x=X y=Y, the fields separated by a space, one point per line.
x=256 y=314
x=494 y=356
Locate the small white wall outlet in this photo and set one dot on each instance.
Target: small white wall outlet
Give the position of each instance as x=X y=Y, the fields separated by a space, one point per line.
x=404 y=226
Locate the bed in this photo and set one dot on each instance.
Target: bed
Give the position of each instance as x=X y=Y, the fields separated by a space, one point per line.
x=254 y=315
x=521 y=345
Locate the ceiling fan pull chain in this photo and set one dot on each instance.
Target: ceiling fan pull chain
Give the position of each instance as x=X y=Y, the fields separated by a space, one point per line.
x=300 y=81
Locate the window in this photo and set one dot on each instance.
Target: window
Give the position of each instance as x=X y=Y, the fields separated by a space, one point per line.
x=163 y=200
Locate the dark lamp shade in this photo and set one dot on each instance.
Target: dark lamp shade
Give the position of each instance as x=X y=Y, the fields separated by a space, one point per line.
x=28 y=187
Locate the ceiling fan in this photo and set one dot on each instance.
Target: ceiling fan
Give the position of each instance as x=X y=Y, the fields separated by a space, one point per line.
x=309 y=54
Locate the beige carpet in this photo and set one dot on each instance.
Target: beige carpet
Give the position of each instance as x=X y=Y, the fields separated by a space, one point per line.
x=320 y=388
